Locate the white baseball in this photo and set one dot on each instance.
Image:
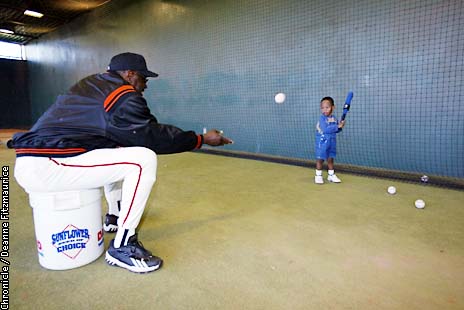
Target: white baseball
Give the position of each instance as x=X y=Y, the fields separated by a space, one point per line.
x=420 y=204
x=391 y=190
x=279 y=98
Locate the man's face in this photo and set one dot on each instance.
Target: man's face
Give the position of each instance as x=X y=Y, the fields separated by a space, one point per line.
x=138 y=81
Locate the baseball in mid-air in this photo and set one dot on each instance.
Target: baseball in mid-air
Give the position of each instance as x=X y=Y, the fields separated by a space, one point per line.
x=420 y=204
x=391 y=190
x=279 y=98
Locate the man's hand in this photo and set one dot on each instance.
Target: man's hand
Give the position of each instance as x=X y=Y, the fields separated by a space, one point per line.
x=214 y=137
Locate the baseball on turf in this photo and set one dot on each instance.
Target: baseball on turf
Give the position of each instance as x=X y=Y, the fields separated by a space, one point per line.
x=420 y=204
x=391 y=190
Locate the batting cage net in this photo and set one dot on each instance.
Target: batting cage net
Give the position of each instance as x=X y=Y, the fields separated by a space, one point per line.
x=403 y=61
x=221 y=65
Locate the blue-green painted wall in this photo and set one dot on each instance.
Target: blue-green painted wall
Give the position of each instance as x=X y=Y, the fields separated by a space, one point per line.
x=222 y=62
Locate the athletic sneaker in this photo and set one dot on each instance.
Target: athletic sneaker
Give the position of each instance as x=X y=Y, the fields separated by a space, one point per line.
x=318 y=179
x=111 y=223
x=333 y=178
x=133 y=257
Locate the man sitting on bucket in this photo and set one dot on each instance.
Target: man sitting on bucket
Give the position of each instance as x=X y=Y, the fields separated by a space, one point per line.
x=102 y=133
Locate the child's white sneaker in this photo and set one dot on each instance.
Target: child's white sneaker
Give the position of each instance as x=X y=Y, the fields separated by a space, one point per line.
x=333 y=178
x=318 y=179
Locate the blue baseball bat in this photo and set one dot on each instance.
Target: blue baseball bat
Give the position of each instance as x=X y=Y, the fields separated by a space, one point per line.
x=346 y=106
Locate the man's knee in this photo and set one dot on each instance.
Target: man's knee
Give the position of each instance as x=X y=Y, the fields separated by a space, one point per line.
x=148 y=161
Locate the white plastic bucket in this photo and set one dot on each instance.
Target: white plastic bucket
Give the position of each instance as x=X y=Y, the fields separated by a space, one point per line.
x=68 y=228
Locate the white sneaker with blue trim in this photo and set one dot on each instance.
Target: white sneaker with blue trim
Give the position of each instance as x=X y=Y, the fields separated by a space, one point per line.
x=333 y=178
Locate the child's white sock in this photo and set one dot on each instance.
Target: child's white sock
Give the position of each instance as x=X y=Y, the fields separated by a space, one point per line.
x=331 y=172
x=318 y=172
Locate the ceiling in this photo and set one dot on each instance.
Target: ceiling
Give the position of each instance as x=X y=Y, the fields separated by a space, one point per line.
x=55 y=14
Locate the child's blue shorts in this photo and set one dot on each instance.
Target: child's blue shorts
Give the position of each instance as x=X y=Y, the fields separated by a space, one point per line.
x=326 y=147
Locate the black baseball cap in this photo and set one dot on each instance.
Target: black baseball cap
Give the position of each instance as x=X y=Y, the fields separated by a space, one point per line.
x=130 y=61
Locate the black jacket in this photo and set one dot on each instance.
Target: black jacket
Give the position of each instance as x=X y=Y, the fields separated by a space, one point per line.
x=101 y=111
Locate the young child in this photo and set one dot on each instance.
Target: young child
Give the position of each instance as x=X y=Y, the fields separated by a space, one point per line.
x=326 y=143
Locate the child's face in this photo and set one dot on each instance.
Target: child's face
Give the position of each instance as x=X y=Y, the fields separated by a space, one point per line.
x=326 y=108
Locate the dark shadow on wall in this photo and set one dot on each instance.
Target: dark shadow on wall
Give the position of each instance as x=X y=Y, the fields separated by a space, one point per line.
x=15 y=103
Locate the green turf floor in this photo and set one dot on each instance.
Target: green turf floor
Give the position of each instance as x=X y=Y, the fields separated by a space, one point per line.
x=244 y=234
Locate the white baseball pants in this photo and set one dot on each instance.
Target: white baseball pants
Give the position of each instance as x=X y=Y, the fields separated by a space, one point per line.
x=127 y=171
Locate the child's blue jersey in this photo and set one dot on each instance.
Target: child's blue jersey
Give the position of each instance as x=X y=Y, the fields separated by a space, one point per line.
x=326 y=132
x=327 y=126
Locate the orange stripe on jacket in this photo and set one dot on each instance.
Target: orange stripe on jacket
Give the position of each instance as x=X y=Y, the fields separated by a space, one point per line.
x=50 y=151
x=115 y=95
x=199 y=141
